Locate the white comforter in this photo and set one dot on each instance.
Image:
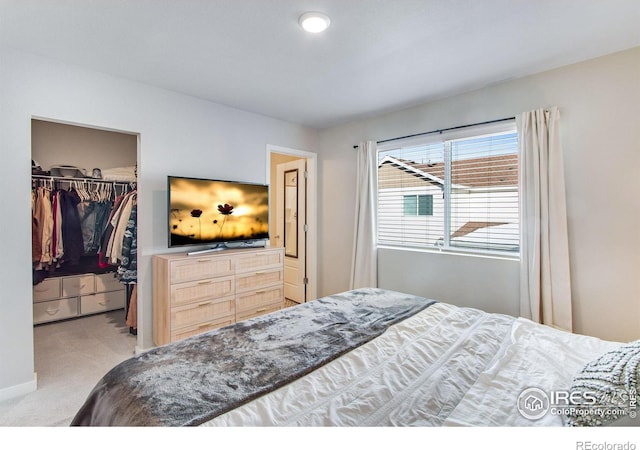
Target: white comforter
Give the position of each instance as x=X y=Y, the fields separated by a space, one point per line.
x=444 y=366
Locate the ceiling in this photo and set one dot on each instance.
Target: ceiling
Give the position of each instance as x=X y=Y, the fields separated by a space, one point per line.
x=377 y=56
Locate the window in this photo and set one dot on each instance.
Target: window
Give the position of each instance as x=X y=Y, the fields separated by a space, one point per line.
x=418 y=205
x=457 y=192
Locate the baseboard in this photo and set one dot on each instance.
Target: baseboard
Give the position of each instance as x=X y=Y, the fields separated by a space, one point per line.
x=19 y=389
x=137 y=350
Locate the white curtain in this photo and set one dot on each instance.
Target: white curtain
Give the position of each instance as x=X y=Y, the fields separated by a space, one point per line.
x=545 y=285
x=364 y=265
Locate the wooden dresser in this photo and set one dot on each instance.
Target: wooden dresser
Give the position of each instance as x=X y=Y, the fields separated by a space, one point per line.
x=194 y=294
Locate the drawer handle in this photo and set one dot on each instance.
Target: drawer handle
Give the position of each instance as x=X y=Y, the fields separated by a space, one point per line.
x=261 y=310
x=203 y=260
x=260 y=292
x=102 y=303
x=205 y=282
x=261 y=273
x=52 y=312
x=204 y=325
x=205 y=303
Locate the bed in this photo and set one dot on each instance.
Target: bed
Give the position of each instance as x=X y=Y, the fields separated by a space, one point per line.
x=373 y=357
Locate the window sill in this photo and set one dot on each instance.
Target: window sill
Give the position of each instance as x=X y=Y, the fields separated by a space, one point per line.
x=452 y=252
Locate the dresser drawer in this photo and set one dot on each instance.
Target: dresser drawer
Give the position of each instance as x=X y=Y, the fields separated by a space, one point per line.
x=55 y=310
x=106 y=282
x=258 y=260
x=196 y=291
x=183 y=333
x=47 y=289
x=78 y=285
x=257 y=280
x=105 y=301
x=199 y=268
x=255 y=300
x=258 y=312
x=206 y=311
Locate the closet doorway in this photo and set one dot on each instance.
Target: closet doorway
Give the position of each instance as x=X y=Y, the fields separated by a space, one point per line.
x=84 y=251
x=292 y=178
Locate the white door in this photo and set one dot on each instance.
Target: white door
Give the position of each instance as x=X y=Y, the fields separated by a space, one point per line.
x=291 y=207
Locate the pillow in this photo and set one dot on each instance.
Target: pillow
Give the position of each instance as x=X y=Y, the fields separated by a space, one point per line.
x=605 y=390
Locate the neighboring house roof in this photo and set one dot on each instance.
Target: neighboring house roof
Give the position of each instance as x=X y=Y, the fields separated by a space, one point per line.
x=492 y=171
x=470 y=227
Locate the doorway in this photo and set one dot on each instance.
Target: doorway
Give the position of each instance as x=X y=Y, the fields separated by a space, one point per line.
x=292 y=178
x=80 y=298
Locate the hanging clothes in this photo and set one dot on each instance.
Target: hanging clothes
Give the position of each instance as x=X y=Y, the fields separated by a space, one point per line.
x=93 y=217
x=57 y=245
x=68 y=225
x=119 y=240
x=43 y=221
x=36 y=233
x=132 y=312
x=119 y=222
x=71 y=229
x=107 y=234
x=128 y=268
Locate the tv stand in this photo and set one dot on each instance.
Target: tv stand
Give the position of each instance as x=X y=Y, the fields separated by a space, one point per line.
x=217 y=248
x=231 y=246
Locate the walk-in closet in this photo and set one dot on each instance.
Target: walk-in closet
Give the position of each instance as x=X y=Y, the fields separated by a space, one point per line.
x=84 y=248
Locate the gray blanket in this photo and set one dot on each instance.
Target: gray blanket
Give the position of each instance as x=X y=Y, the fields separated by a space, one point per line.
x=196 y=379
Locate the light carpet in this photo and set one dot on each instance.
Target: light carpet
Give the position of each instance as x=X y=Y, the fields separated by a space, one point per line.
x=70 y=357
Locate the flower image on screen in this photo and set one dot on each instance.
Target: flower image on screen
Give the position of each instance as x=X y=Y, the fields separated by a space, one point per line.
x=205 y=211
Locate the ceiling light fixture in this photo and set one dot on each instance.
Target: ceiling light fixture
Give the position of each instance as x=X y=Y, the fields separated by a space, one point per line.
x=314 y=22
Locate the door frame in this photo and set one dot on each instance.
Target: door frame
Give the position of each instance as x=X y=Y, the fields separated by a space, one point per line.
x=312 y=206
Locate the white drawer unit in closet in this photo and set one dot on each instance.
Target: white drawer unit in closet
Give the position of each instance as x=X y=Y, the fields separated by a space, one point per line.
x=66 y=297
x=54 y=310
x=106 y=294
x=73 y=286
x=194 y=294
x=107 y=282
x=56 y=298
x=47 y=289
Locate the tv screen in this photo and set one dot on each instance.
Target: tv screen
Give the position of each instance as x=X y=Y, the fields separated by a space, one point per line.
x=203 y=211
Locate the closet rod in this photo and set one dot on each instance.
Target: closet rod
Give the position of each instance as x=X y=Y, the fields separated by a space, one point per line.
x=86 y=180
x=488 y=122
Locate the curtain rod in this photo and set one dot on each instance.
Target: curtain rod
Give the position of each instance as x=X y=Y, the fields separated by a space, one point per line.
x=443 y=130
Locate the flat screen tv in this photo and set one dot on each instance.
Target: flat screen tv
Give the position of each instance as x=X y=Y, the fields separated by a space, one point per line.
x=208 y=212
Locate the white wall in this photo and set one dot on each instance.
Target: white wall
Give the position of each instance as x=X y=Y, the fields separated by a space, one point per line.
x=462 y=280
x=179 y=135
x=600 y=107
x=55 y=144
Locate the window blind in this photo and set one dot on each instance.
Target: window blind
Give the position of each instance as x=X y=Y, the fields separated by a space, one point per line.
x=452 y=193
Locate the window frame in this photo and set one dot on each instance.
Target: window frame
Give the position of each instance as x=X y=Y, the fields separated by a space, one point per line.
x=507 y=126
